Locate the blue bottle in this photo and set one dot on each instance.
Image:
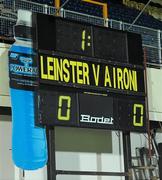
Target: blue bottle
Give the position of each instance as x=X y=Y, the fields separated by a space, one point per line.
x=29 y=147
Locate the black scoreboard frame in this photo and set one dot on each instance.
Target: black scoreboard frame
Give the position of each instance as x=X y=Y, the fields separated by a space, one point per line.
x=59 y=69
x=46 y=44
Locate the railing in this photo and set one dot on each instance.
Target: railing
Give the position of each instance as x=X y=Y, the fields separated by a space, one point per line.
x=8 y=13
x=6 y=24
x=151 y=38
x=84 y=18
x=14 y=5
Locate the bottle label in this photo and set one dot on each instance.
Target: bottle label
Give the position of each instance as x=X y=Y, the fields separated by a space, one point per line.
x=23 y=70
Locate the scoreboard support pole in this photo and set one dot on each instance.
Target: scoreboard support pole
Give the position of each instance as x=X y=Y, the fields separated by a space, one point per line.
x=127 y=152
x=51 y=164
x=52 y=172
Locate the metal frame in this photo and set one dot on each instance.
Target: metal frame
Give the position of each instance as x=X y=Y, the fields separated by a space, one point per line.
x=52 y=172
x=127 y=152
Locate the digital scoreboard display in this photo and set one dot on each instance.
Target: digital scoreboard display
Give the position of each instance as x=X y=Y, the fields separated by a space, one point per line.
x=78 y=109
x=89 y=76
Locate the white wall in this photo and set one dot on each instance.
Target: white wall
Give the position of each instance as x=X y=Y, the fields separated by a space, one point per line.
x=6 y=165
x=154 y=81
x=40 y=174
x=4 y=78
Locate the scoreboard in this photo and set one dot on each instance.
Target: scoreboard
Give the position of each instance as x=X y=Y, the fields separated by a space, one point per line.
x=89 y=76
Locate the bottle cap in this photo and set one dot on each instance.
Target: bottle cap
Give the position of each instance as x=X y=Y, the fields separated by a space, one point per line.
x=23 y=27
x=24 y=18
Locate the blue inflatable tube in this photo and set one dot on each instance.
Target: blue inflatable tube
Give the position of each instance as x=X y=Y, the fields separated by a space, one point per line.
x=29 y=148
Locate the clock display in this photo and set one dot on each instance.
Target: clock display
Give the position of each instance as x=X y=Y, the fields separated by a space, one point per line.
x=54 y=34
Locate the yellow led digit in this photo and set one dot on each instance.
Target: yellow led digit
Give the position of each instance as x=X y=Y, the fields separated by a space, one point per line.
x=67 y=116
x=135 y=123
x=83 y=39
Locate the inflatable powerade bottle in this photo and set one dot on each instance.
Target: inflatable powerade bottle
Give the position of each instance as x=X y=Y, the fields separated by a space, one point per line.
x=29 y=149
